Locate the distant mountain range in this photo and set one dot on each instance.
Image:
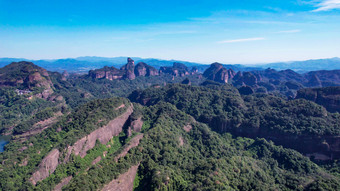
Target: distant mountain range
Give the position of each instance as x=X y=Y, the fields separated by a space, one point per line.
x=305 y=66
x=84 y=64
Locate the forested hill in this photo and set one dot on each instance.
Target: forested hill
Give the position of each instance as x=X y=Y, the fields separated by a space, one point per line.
x=139 y=128
x=170 y=151
x=298 y=124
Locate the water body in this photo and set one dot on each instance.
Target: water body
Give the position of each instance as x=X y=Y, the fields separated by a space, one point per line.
x=4 y=140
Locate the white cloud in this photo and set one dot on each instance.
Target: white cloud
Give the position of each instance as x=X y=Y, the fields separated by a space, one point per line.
x=241 y=40
x=290 y=31
x=326 y=5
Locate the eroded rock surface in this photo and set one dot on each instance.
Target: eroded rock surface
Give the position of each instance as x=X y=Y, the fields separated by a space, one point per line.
x=64 y=182
x=124 y=182
x=46 y=167
x=103 y=134
x=133 y=143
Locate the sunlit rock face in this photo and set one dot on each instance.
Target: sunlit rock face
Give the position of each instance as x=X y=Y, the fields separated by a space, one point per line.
x=218 y=73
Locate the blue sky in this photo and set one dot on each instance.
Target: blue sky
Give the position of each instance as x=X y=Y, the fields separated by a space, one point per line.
x=228 y=31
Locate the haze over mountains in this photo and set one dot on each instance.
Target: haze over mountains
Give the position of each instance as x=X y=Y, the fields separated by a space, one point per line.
x=86 y=63
x=139 y=127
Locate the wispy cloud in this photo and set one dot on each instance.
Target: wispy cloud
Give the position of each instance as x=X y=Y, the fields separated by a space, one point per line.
x=290 y=31
x=241 y=40
x=326 y=5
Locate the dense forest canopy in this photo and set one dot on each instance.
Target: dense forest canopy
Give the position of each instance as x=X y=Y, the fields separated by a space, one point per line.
x=178 y=129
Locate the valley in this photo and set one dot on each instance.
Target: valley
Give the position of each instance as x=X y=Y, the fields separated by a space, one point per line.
x=172 y=128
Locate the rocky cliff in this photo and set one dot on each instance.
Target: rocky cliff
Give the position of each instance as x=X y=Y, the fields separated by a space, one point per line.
x=329 y=97
x=177 y=69
x=103 y=134
x=46 y=167
x=124 y=182
x=110 y=73
x=218 y=73
x=143 y=69
x=27 y=76
x=129 y=69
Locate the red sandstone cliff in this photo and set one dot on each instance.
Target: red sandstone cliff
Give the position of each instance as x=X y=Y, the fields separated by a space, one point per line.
x=103 y=134
x=46 y=167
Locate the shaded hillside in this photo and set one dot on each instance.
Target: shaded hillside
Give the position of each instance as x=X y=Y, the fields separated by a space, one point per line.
x=45 y=153
x=297 y=124
x=284 y=82
x=175 y=158
x=25 y=75
x=307 y=65
x=26 y=90
x=328 y=97
x=172 y=152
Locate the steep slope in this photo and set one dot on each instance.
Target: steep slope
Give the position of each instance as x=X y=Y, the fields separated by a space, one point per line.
x=143 y=69
x=328 y=97
x=171 y=157
x=61 y=148
x=26 y=90
x=298 y=124
x=26 y=76
x=218 y=73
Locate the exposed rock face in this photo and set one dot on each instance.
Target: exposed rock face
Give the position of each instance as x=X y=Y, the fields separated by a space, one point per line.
x=329 y=97
x=134 y=142
x=39 y=127
x=194 y=70
x=177 y=69
x=97 y=160
x=247 y=78
x=187 y=128
x=124 y=182
x=143 y=69
x=65 y=75
x=218 y=73
x=110 y=73
x=64 y=182
x=103 y=134
x=327 y=77
x=135 y=125
x=28 y=75
x=46 y=167
x=306 y=144
x=129 y=69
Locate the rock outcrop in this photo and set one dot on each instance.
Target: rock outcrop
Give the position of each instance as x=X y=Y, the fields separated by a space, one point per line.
x=329 y=97
x=134 y=142
x=46 y=167
x=143 y=69
x=247 y=78
x=65 y=75
x=110 y=73
x=129 y=69
x=218 y=73
x=63 y=182
x=27 y=75
x=135 y=125
x=103 y=134
x=178 y=69
x=124 y=182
